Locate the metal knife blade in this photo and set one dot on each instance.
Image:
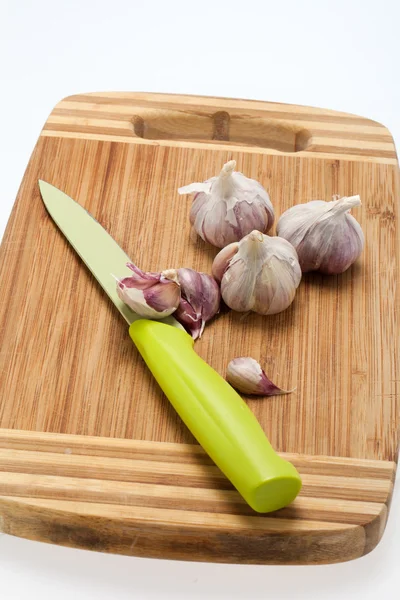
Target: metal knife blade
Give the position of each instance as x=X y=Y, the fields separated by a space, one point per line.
x=98 y=250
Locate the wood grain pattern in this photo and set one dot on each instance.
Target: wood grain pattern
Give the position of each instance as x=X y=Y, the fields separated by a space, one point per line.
x=87 y=440
x=90 y=492
x=165 y=119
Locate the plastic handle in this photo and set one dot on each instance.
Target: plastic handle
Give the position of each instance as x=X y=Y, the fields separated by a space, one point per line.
x=217 y=416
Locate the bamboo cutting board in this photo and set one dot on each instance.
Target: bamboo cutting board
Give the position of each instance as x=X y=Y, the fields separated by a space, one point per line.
x=92 y=455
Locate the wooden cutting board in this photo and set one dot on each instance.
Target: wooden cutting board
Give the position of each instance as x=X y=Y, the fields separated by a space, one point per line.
x=92 y=455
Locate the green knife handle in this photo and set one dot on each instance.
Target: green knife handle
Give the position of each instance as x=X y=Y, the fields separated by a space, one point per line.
x=217 y=416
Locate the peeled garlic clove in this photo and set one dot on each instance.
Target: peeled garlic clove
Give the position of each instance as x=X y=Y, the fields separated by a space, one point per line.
x=200 y=300
x=327 y=238
x=262 y=276
x=246 y=375
x=150 y=295
x=228 y=207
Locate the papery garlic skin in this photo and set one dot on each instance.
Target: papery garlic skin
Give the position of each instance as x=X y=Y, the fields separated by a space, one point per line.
x=229 y=206
x=150 y=295
x=246 y=375
x=326 y=237
x=200 y=300
x=262 y=276
x=222 y=260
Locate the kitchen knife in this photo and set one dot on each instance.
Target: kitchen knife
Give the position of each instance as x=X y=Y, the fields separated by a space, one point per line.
x=215 y=414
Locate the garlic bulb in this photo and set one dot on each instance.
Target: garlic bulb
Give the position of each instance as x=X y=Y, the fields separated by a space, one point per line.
x=247 y=376
x=200 y=300
x=259 y=273
x=327 y=238
x=229 y=206
x=150 y=295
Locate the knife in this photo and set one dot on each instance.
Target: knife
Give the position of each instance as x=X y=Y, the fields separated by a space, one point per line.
x=216 y=415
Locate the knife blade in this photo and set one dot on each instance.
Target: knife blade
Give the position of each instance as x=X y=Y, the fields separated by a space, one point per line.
x=216 y=415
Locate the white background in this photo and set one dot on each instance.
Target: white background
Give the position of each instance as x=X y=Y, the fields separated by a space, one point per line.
x=337 y=54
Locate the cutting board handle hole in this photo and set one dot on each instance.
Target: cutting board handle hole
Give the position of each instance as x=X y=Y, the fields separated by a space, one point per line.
x=221 y=126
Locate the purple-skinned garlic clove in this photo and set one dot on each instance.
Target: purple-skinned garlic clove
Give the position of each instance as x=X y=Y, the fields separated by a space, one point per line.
x=200 y=300
x=150 y=295
x=222 y=260
x=246 y=375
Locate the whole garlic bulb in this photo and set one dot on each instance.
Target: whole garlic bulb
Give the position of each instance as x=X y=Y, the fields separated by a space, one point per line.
x=229 y=206
x=150 y=295
x=260 y=273
x=327 y=238
x=200 y=300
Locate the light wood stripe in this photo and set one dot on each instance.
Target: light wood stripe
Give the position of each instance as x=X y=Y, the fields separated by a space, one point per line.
x=359 y=147
x=90 y=124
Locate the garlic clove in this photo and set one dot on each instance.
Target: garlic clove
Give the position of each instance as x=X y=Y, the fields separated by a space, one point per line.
x=222 y=260
x=326 y=237
x=261 y=276
x=188 y=317
x=237 y=286
x=246 y=375
x=229 y=206
x=211 y=225
x=200 y=300
x=150 y=295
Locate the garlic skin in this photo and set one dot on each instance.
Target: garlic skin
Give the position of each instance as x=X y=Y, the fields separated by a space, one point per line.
x=229 y=206
x=326 y=237
x=261 y=276
x=246 y=375
x=150 y=295
x=222 y=259
x=200 y=300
